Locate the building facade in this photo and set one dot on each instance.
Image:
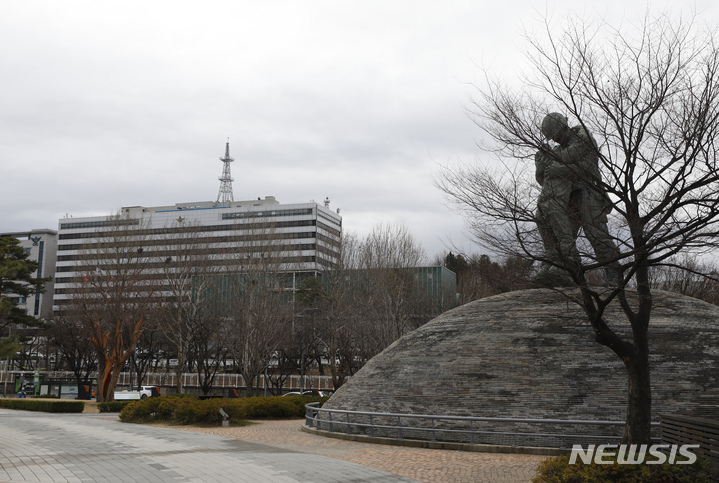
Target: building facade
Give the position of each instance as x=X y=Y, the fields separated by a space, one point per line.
x=299 y=239
x=41 y=246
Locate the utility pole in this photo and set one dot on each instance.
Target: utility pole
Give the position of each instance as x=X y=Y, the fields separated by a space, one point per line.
x=225 y=193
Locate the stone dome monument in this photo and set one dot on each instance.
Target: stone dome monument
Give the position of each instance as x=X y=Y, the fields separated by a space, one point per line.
x=532 y=354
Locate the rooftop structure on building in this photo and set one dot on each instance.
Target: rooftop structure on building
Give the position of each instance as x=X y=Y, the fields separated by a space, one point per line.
x=41 y=246
x=225 y=194
x=302 y=238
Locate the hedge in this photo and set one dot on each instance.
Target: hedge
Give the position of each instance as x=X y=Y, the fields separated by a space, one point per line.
x=558 y=470
x=112 y=406
x=45 y=405
x=195 y=411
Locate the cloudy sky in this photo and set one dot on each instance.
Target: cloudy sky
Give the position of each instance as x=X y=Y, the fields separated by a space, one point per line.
x=110 y=104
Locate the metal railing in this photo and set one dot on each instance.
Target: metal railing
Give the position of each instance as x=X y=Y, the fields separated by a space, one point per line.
x=678 y=429
x=548 y=433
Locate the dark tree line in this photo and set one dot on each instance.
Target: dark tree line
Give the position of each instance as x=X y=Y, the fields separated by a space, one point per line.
x=478 y=276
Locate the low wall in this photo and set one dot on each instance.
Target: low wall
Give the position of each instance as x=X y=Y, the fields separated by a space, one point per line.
x=226 y=385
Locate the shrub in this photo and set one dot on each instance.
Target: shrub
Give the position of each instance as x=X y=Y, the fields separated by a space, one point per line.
x=45 y=405
x=151 y=409
x=198 y=411
x=277 y=407
x=181 y=394
x=195 y=411
x=112 y=406
x=301 y=401
x=558 y=470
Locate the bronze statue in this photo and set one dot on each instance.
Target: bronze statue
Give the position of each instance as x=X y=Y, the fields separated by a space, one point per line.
x=572 y=197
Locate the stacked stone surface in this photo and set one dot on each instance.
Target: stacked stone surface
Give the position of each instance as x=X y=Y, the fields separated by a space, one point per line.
x=532 y=354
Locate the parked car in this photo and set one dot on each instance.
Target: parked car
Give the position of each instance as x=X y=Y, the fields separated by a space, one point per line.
x=316 y=392
x=149 y=391
x=310 y=392
x=143 y=393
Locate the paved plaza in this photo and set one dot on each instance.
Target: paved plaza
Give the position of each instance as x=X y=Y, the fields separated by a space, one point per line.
x=41 y=447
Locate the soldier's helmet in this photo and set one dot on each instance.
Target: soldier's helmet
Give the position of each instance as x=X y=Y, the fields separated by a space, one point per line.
x=553 y=124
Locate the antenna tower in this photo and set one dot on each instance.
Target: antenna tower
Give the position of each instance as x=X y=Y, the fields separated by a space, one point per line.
x=225 y=193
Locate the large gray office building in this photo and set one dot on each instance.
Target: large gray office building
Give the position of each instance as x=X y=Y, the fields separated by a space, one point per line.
x=302 y=238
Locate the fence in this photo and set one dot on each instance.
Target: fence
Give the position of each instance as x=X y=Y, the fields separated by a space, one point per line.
x=294 y=382
x=548 y=433
x=686 y=430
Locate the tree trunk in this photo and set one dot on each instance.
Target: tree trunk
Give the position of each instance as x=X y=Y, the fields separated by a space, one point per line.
x=107 y=377
x=337 y=377
x=111 y=357
x=639 y=405
x=180 y=367
x=248 y=376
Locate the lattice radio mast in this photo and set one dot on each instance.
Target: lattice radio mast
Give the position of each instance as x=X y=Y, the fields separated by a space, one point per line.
x=225 y=193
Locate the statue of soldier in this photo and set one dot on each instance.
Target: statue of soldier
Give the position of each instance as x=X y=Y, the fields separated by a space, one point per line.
x=571 y=198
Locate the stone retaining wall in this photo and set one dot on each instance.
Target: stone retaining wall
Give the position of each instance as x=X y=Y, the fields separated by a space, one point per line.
x=531 y=354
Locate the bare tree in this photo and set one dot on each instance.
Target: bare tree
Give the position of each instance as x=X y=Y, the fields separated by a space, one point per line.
x=187 y=287
x=76 y=351
x=391 y=301
x=113 y=297
x=688 y=276
x=648 y=93
x=210 y=343
x=390 y=245
x=147 y=350
x=283 y=364
x=333 y=298
x=257 y=298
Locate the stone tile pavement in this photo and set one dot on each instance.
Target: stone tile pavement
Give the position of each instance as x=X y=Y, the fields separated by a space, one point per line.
x=39 y=447
x=425 y=465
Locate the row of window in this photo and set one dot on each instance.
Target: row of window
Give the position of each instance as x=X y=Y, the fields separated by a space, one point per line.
x=330 y=241
x=80 y=280
x=281 y=280
x=265 y=214
x=195 y=256
x=329 y=218
x=100 y=224
x=268 y=227
x=327 y=251
x=183 y=244
x=329 y=229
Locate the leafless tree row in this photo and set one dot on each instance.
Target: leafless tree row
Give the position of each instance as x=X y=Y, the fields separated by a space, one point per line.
x=257 y=315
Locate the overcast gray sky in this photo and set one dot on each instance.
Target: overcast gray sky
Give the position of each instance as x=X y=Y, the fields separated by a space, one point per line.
x=110 y=104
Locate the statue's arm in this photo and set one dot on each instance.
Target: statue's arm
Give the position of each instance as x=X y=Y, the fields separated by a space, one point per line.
x=578 y=159
x=542 y=161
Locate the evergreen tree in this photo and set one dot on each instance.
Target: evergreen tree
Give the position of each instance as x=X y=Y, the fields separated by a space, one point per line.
x=16 y=281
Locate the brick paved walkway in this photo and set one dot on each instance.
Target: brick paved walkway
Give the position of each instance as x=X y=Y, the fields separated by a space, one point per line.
x=39 y=447
x=425 y=465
